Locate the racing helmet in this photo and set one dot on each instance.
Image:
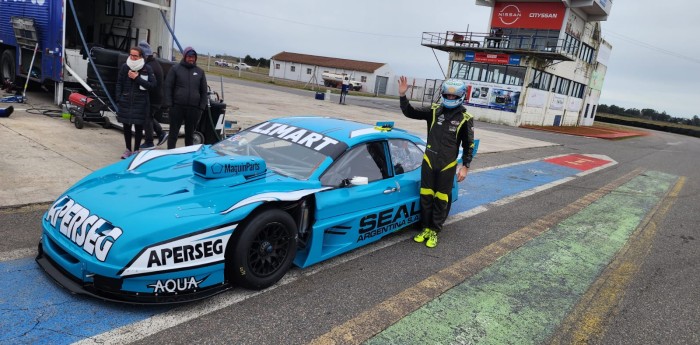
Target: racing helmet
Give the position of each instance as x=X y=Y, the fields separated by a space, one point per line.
x=454 y=87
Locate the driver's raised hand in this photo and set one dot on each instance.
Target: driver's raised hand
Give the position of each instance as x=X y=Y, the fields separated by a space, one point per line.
x=403 y=86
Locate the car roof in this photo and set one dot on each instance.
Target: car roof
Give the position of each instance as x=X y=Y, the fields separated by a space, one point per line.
x=349 y=132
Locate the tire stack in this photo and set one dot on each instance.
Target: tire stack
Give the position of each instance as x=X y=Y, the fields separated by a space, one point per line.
x=108 y=62
x=107 y=65
x=166 y=66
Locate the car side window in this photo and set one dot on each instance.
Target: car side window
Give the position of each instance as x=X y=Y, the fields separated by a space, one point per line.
x=367 y=160
x=405 y=156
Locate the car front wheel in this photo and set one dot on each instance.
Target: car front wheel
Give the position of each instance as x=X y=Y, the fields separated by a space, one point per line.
x=264 y=251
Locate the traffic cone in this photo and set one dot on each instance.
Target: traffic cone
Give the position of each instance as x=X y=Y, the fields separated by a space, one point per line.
x=6 y=111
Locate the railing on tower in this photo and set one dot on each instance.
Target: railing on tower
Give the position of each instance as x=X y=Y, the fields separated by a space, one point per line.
x=511 y=42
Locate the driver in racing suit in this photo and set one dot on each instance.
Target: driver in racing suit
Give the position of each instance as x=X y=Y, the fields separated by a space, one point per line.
x=449 y=125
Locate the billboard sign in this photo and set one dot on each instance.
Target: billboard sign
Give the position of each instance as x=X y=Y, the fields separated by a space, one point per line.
x=528 y=15
x=501 y=59
x=493 y=96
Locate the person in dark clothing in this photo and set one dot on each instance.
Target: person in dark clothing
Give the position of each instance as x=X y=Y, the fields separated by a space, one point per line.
x=497 y=38
x=449 y=126
x=344 y=88
x=156 y=98
x=186 y=96
x=134 y=81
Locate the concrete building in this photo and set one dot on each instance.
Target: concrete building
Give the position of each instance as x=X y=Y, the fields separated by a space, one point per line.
x=376 y=77
x=539 y=63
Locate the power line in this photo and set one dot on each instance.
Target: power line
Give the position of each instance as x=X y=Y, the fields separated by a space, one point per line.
x=306 y=24
x=653 y=47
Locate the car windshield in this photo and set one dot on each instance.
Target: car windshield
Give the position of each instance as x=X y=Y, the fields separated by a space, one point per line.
x=281 y=156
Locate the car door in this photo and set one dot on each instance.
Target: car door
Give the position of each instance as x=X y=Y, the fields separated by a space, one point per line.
x=352 y=215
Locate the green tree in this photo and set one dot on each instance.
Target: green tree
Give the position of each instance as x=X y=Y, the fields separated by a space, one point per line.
x=633 y=112
x=249 y=60
x=663 y=117
x=649 y=113
x=617 y=110
x=263 y=62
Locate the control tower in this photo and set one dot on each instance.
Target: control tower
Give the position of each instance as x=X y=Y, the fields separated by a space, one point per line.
x=539 y=63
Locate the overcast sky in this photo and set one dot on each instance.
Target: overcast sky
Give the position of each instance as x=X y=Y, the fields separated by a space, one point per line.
x=654 y=62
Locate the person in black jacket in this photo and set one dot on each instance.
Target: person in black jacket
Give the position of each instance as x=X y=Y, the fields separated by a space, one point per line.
x=186 y=96
x=449 y=126
x=156 y=98
x=133 y=82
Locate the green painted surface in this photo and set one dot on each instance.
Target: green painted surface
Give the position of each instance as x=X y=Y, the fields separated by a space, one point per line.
x=526 y=294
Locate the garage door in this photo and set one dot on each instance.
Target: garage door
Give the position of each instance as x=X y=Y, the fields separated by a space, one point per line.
x=380 y=85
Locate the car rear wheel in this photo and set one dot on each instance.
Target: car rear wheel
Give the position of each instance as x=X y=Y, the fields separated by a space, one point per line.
x=264 y=251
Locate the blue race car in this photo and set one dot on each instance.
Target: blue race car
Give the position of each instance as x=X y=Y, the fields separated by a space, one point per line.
x=169 y=226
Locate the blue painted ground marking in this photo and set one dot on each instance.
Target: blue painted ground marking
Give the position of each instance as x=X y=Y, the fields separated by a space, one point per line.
x=484 y=187
x=37 y=311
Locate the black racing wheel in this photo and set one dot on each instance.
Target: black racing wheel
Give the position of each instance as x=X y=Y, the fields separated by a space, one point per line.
x=263 y=252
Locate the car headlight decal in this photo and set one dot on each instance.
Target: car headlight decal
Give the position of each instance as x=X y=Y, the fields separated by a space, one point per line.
x=95 y=235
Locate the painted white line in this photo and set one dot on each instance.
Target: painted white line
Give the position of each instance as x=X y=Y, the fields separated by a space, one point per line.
x=529 y=192
x=605 y=166
x=466 y=214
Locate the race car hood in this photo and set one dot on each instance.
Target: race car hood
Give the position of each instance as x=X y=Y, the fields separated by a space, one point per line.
x=158 y=197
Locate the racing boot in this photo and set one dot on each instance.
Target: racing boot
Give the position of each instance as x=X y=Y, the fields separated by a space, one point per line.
x=431 y=239
x=422 y=236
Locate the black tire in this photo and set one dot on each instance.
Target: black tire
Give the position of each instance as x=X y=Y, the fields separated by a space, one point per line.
x=79 y=123
x=105 y=57
x=108 y=73
x=8 y=70
x=262 y=254
x=166 y=65
x=106 y=124
x=197 y=138
x=122 y=58
x=97 y=88
x=236 y=68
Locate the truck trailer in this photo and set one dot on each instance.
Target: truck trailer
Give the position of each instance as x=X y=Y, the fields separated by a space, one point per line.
x=336 y=80
x=48 y=36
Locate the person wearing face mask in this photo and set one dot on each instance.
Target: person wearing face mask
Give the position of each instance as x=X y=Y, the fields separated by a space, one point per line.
x=449 y=127
x=134 y=81
x=186 y=96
